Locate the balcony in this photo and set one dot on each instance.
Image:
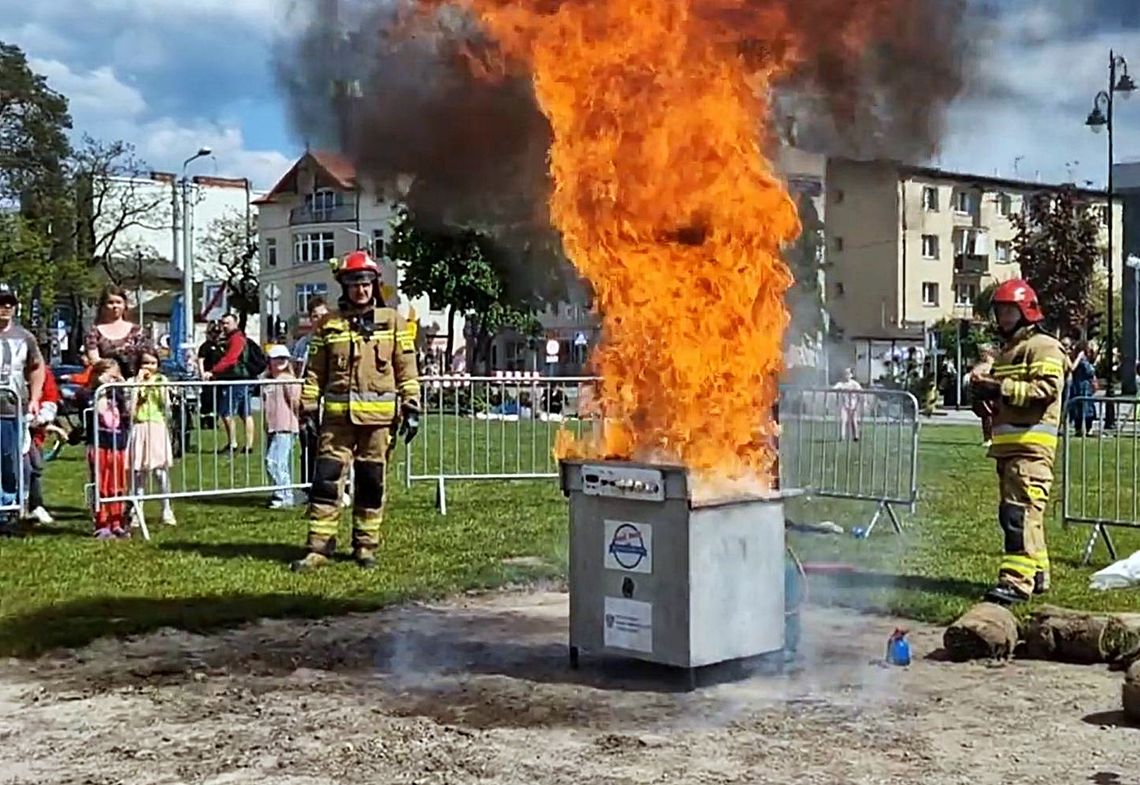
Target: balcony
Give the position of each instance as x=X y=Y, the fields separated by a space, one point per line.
x=341 y=213
x=972 y=264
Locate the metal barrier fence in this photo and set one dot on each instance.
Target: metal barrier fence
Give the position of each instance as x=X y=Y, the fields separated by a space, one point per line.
x=160 y=441
x=15 y=453
x=494 y=427
x=1100 y=466
x=860 y=445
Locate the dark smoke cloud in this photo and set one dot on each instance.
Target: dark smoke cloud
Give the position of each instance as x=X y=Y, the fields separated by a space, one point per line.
x=478 y=148
x=406 y=102
x=892 y=101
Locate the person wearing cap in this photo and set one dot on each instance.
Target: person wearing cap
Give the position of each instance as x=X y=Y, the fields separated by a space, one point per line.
x=280 y=403
x=22 y=370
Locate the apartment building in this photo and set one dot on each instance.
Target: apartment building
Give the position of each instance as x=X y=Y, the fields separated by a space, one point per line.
x=318 y=211
x=909 y=246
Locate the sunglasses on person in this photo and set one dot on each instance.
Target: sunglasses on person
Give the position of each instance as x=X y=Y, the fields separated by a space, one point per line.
x=8 y=302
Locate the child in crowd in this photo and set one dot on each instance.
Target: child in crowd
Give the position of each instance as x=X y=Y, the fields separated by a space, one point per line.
x=150 y=448
x=34 y=460
x=281 y=403
x=107 y=433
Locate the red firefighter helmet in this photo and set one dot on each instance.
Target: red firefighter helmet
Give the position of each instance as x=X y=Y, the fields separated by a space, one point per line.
x=356 y=267
x=1018 y=292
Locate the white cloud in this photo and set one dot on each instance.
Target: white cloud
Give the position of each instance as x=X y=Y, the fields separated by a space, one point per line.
x=94 y=93
x=108 y=108
x=165 y=144
x=262 y=12
x=1038 y=90
x=35 y=37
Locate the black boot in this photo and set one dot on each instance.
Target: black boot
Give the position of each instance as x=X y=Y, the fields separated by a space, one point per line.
x=1006 y=595
x=1041 y=583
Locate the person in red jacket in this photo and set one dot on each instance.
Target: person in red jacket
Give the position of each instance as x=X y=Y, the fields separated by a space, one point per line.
x=232 y=399
x=34 y=460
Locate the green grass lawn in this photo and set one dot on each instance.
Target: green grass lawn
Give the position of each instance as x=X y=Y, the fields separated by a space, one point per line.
x=227 y=560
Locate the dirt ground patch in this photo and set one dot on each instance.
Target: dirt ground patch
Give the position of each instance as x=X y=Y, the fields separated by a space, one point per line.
x=477 y=690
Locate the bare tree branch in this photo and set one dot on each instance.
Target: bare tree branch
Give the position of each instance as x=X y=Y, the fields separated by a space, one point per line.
x=228 y=253
x=116 y=201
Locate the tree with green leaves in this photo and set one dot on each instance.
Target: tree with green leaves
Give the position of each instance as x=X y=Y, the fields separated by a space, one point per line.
x=1057 y=247
x=467 y=272
x=34 y=121
x=36 y=248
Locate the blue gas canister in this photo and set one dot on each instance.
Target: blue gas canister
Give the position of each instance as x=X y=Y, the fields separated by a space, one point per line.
x=898 y=648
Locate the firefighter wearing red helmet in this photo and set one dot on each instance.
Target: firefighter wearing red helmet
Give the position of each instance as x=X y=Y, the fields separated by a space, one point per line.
x=362 y=381
x=1026 y=384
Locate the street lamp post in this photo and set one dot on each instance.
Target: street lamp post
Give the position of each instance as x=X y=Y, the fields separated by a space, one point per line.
x=1101 y=116
x=185 y=249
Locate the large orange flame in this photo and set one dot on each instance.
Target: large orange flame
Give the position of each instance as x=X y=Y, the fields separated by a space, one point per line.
x=667 y=205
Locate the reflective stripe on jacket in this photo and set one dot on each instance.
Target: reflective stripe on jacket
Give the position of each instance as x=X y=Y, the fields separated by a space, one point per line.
x=1031 y=368
x=364 y=374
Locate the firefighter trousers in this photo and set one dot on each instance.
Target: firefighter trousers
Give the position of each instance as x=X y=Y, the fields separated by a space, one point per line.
x=367 y=448
x=1025 y=484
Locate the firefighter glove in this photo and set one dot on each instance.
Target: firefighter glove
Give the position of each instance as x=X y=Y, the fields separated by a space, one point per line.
x=985 y=388
x=409 y=425
x=309 y=420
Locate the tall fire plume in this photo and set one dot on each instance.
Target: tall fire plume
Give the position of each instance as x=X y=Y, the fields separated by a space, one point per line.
x=667 y=206
x=658 y=115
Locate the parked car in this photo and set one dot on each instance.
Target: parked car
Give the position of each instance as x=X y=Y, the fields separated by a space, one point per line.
x=75 y=398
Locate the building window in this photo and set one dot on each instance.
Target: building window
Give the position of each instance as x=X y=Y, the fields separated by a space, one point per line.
x=929 y=293
x=930 y=198
x=323 y=201
x=378 y=243
x=305 y=291
x=837 y=243
x=964 y=202
x=930 y=246
x=313 y=247
x=1002 y=252
x=964 y=293
x=271 y=251
x=1004 y=204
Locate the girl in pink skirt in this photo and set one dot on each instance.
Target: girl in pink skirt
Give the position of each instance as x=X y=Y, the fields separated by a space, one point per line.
x=150 y=449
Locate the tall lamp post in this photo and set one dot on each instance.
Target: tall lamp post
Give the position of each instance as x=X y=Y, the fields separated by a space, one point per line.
x=1101 y=116
x=184 y=251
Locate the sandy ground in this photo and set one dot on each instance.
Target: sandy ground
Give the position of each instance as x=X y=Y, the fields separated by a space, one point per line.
x=477 y=690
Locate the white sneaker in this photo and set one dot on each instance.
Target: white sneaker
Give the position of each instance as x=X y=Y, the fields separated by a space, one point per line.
x=346 y=500
x=168 y=518
x=41 y=515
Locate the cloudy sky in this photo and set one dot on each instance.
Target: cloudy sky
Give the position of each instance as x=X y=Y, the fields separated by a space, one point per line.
x=172 y=75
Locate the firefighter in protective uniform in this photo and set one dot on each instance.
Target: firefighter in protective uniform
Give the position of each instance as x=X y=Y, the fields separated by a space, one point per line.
x=1026 y=384
x=362 y=379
